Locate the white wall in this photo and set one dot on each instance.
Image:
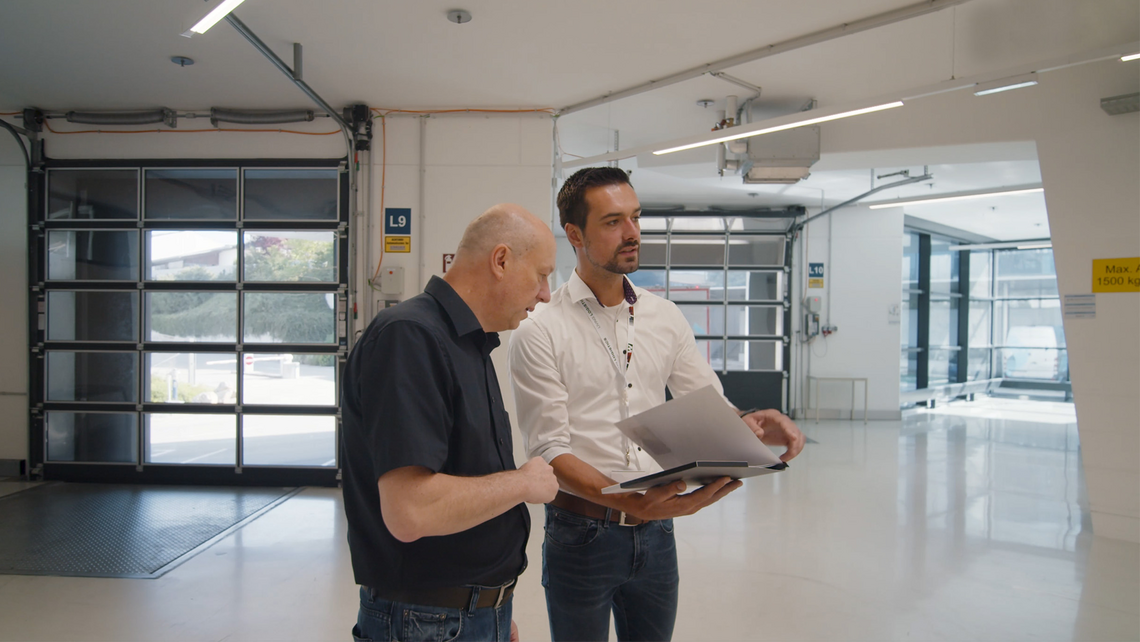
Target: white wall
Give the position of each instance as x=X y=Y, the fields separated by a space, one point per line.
x=14 y=294
x=471 y=163
x=1090 y=162
x=864 y=277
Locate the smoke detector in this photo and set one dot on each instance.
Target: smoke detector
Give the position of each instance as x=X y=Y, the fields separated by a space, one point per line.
x=459 y=16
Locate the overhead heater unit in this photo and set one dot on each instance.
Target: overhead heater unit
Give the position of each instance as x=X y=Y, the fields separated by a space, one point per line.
x=781 y=158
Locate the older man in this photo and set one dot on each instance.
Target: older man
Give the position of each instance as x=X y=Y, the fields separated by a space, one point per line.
x=437 y=525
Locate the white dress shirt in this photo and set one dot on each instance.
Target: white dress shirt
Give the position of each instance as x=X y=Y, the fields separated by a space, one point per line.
x=569 y=395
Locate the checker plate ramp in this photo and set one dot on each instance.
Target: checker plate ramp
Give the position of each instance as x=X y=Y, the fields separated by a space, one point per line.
x=113 y=530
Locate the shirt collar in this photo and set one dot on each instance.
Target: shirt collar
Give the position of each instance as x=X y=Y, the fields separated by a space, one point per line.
x=579 y=290
x=463 y=320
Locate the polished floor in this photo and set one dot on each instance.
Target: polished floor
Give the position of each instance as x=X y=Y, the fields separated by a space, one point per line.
x=968 y=522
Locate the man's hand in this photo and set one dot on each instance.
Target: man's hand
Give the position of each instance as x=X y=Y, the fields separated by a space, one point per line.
x=667 y=501
x=514 y=632
x=541 y=484
x=774 y=428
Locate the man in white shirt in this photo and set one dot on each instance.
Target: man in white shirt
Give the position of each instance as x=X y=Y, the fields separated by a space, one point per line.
x=603 y=350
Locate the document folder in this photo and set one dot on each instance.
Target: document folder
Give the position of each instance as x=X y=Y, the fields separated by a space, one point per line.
x=696 y=438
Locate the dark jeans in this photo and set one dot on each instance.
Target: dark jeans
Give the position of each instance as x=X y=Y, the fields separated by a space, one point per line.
x=590 y=566
x=380 y=620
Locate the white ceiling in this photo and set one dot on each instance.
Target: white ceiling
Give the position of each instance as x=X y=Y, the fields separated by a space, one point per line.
x=114 y=54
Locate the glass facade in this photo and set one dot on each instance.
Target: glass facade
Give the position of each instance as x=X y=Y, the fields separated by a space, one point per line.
x=978 y=315
x=192 y=316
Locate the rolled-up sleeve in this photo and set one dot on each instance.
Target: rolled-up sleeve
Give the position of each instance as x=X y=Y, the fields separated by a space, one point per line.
x=540 y=394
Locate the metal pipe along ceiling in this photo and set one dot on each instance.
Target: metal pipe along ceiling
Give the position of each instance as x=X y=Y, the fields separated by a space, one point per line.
x=845 y=29
x=908 y=181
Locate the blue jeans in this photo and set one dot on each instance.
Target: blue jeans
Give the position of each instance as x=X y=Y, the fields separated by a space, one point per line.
x=381 y=620
x=590 y=567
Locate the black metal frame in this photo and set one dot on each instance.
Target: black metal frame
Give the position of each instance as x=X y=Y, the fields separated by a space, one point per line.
x=39 y=286
x=963 y=317
x=922 y=377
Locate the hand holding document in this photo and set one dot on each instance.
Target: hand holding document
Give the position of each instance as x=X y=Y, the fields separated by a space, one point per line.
x=696 y=438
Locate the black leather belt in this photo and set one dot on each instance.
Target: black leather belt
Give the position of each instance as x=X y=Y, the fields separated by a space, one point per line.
x=587 y=508
x=452 y=597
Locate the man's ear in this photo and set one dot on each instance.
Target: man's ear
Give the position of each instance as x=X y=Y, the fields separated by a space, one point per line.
x=574 y=235
x=499 y=258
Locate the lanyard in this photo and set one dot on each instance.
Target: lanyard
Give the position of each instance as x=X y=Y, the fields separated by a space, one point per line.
x=621 y=366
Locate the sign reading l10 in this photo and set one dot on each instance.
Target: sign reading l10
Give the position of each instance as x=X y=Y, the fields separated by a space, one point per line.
x=815 y=275
x=398 y=221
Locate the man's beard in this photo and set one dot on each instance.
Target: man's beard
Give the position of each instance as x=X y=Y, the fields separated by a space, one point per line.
x=613 y=266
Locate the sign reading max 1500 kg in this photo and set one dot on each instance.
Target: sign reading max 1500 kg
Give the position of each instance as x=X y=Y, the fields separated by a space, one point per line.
x=1116 y=275
x=398 y=230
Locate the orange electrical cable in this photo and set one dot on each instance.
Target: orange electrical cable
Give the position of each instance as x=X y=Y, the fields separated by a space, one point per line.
x=10 y=113
x=185 y=131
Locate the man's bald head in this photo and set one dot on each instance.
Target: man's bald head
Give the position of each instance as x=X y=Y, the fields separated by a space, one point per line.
x=505 y=223
x=502 y=266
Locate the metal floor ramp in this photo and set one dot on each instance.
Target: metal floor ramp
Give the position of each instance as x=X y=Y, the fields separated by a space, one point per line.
x=113 y=530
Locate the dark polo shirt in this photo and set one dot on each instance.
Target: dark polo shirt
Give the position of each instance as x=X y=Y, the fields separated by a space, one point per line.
x=420 y=390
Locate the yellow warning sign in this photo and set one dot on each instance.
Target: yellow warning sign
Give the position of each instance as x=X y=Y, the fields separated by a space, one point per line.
x=815 y=283
x=1116 y=275
x=398 y=244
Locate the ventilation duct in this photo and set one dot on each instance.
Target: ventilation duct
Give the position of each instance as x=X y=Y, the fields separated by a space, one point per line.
x=775 y=175
x=124 y=117
x=782 y=157
x=260 y=117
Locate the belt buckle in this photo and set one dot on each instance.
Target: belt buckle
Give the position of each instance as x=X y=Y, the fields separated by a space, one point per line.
x=503 y=591
x=622 y=521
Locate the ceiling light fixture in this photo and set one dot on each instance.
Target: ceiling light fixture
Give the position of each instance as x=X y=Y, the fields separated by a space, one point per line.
x=1129 y=57
x=212 y=18
x=1026 y=244
x=1005 y=84
x=960 y=197
x=780 y=128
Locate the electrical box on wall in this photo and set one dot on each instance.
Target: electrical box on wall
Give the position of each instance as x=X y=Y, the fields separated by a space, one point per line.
x=392 y=280
x=812 y=304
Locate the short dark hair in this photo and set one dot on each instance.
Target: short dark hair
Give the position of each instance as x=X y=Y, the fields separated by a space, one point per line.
x=572 y=197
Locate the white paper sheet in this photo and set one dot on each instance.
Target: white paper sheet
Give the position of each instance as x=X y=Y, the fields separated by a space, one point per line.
x=697 y=427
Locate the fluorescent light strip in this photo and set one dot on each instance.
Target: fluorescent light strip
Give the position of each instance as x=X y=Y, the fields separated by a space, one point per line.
x=1039 y=246
x=780 y=128
x=212 y=18
x=924 y=201
x=1129 y=57
x=998 y=90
